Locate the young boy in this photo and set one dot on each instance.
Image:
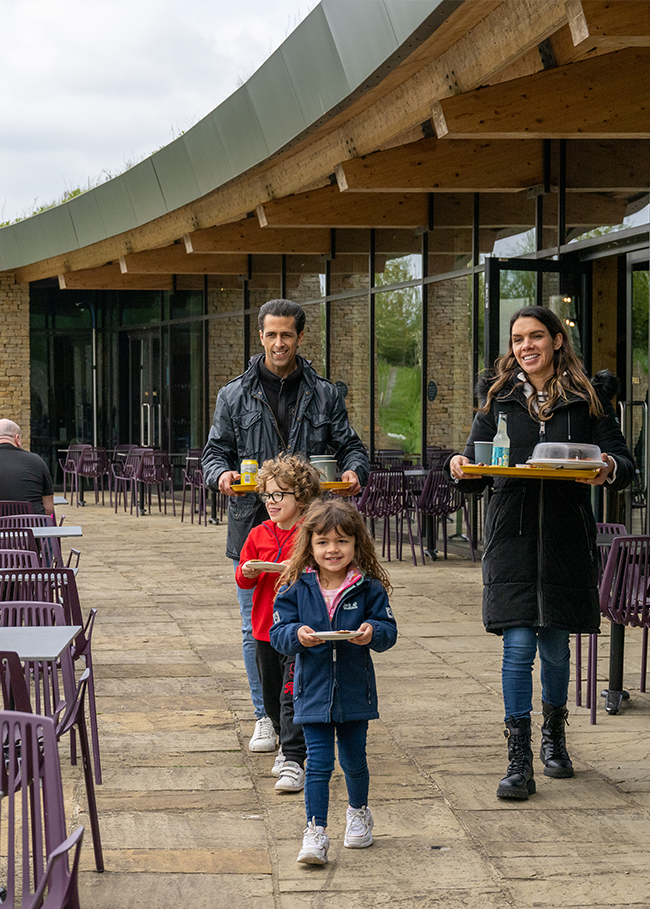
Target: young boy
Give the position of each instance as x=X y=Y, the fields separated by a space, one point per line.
x=287 y=485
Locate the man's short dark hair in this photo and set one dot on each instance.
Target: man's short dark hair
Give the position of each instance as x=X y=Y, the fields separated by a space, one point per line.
x=282 y=308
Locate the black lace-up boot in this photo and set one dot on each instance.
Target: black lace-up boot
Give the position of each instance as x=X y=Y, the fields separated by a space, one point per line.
x=518 y=783
x=553 y=753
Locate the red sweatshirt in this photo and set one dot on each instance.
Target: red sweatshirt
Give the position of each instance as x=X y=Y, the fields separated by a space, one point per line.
x=270 y=544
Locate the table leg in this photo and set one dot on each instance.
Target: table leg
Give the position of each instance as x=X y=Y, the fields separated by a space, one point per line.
x=431 y=537
x=615 y=694
x=213 y=508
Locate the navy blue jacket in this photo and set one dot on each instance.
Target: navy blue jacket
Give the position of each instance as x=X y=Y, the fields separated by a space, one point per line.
x=334 y=682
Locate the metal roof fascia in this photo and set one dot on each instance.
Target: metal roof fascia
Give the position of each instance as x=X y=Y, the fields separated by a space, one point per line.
x=143 y=187
x=241 y=134
x=176 y=176
x=207 y=154
x=276 y=104
x=363 y=35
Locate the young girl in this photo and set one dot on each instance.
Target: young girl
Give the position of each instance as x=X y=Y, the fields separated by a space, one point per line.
x=335 y=584
x=287 y=485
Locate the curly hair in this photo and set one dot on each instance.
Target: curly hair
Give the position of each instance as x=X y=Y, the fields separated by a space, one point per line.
x=322 y=517
x=294 y=473
x=568 y=372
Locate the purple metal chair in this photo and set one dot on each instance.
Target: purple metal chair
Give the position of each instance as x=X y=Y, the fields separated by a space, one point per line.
x=56 y=694
x=60 y=586
x=48 y=547
x=156 y=472
x=126 y=477
x=18 y=558
x=384 y=497
x=9 y=506
x=440 y=498
x=70 y=468
x=193 y=480
x=94 y=466
x=603 y=551
x=38 y=848
x=20 y=539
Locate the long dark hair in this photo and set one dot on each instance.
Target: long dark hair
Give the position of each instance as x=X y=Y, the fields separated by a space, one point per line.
x=568 y=371
x=322 y=516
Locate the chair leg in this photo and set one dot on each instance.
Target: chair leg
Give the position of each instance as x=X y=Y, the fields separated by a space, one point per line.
x=592 y=675
x=579 y=672
x=90 y=790
x=644 y=657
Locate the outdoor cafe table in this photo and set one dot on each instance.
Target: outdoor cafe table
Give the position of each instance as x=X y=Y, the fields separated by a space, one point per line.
x=70 y=530
x=38 y=643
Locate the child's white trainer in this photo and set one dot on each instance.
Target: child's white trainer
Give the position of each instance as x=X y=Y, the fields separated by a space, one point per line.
x=358 y=828
x=315 y=844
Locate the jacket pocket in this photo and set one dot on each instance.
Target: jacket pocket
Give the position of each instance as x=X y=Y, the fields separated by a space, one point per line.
x=319 y=434
x=248 y=426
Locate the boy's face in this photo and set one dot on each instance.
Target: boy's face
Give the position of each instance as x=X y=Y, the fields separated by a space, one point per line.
x=284 y=513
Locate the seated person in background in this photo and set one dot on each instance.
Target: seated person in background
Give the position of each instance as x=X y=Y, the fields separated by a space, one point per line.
x=24 y=476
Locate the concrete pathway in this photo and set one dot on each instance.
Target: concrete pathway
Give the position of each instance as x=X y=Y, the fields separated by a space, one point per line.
x=189 y=816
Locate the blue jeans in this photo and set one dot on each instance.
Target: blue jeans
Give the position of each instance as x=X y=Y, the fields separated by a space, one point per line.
x=245 y=599
x=351 y=738
x=520 y=646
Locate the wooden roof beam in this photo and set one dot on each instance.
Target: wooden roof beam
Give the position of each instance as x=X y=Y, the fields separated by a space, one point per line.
x=109 y=277
x=597 y=98
x=175 y=261
x=248 y=237
x=327 y=207
x=453 y=165
x=603 y=23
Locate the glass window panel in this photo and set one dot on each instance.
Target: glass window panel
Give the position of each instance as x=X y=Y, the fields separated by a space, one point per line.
x=225 y=353
x=398 y=256
x=187 y=302
x=140 y=306
x=449 y=338
x=506 y=224
x=186 y=386
x=225 y=294
x=349 y=345
x=349 y=268
x=398 y=321
x=306 y=278
x=640 y=307
x=313 y=342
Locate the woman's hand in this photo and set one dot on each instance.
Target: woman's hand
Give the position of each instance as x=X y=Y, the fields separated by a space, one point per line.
x=605 y=471
x=455 y=468
x=366 y=637
x=308 y=637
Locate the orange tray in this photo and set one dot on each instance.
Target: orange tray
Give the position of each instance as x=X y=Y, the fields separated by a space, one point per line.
x=530 y=473
x=339 y=486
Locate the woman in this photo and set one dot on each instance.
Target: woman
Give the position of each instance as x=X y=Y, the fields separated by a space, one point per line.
x=540 y=559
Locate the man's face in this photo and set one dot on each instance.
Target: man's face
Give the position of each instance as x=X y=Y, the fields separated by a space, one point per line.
x=280 y=341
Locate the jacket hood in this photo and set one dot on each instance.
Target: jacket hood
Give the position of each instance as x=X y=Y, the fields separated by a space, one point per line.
x=605 y=383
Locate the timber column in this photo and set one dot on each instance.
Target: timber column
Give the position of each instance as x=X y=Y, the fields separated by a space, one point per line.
x=15 y=403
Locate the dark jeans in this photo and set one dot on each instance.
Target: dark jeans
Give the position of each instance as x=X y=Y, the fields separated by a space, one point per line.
x=351 y=738
x=276 y=674
x=520 y=646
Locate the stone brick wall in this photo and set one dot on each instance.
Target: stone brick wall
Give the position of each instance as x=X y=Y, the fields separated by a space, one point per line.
x=14 y=354
x=349 y=359
x=449 y=417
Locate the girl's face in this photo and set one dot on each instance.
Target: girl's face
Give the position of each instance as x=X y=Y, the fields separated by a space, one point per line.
x=533 y=348
x=284 y=513
x=333 y=553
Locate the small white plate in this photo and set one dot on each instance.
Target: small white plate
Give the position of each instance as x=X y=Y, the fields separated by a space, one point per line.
x=337 y=635
x=267 y=566
x=572 y=463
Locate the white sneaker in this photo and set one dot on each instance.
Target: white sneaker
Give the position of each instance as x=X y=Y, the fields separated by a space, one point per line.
x=279 y=763
x=315 y=844
x=264 y=737
x=358 y=828
x=292 y=778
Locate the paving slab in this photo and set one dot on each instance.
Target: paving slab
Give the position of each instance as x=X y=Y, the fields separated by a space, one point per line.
x=190 y=817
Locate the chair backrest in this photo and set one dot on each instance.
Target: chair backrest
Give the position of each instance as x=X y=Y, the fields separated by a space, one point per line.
x=439 y=496
x=603 y=551
x=18 y=558
x=26 y=520
x=56 y=585
x=436 y=457
x=19 y=539
x=37 y=851
x=383 y=495
x=73 y=457
x=625 y=584
x=9 y=506
x=15 y=694
x=94 y=463
x=49 y=549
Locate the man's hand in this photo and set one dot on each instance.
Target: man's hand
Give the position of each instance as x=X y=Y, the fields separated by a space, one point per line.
x=227 y=478
x=350 y=477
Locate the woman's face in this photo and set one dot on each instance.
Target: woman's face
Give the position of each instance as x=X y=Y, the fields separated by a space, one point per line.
x=533 y=348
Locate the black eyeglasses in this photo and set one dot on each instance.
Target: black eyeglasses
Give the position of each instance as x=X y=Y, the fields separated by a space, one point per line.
x=273 y=496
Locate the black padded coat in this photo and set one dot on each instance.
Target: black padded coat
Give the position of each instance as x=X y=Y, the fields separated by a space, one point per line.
x=540 y=557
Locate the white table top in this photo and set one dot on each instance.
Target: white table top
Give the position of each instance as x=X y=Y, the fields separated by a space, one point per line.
x=38 y=643
x=70 y=530
x=60 y=500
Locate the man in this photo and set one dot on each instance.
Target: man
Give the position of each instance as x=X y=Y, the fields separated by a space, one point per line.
x=280 y=404
x=24 y=476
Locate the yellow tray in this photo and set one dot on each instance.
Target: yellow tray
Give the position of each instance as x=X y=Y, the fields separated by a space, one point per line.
x=339 y=486
x=530 y=473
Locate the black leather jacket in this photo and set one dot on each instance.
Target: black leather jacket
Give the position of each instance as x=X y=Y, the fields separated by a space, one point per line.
x=244 y=426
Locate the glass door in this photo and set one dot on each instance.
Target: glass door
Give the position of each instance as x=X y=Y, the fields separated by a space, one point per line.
x=634 y=410
x=145 y=387
x=512 y=284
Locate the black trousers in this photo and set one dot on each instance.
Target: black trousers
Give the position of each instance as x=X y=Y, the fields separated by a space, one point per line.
x=276 y=674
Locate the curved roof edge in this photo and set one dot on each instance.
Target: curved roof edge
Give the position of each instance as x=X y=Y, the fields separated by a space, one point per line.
x=339 y=51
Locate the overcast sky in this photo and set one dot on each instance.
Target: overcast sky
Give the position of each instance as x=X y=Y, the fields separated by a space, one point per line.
x=89 y=85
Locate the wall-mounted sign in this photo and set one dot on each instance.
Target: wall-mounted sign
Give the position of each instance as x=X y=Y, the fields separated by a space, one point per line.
x=432 y=391
x=342 y=387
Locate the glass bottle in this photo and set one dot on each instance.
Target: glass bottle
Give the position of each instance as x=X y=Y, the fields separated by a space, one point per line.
x=501 y=443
